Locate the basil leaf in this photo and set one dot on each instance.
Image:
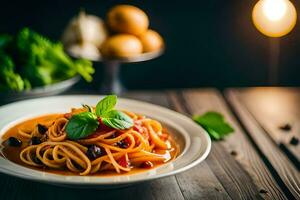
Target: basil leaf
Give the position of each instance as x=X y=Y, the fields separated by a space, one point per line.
x=106 y=105
x=215 y=124
x=117 y=119
x=82 y=125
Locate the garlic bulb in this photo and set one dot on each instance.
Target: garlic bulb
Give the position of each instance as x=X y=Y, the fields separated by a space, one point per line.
x=85 y=29
x=84 y=50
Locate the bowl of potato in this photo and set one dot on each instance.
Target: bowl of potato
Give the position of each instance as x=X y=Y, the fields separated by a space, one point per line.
x=124 y=36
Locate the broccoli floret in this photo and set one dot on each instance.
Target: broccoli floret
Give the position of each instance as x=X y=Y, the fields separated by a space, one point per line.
x=5 y=40
x=46 y=62
x=9 y=80
x=38 y=62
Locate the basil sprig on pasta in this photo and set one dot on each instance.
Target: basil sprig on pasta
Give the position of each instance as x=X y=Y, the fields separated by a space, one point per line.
x=84 y=124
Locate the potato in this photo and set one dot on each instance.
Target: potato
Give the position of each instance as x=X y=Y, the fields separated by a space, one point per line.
x=121 y=45
x=127 y=19
x=151 y=41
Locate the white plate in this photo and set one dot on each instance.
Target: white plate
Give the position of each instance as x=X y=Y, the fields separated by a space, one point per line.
x=194 y=140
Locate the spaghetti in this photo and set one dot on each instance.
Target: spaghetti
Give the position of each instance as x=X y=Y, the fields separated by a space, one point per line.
x=46 y=145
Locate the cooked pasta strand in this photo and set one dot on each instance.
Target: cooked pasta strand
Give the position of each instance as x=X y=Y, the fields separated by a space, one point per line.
x=118 y=150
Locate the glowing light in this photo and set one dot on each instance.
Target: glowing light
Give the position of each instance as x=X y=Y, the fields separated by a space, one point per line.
x=274 y=18
x=274 y=9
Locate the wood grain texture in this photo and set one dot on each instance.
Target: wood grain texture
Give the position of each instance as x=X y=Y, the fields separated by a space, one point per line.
x=243 y=175
x=234 y=189
x=272 y=108
x=285 y=170
x=12 y=188
x=199 y=182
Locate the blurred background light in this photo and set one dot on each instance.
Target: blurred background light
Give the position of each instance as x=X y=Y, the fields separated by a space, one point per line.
x=274 y=18
x=274 y=9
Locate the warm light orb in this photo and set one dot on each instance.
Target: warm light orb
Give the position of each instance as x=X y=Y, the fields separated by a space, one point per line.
x=274 y=9
x=274 y=18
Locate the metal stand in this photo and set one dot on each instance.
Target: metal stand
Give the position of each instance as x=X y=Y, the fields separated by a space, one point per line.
x=111 y=82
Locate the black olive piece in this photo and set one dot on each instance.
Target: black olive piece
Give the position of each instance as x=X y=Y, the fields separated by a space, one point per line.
x=294 y=141
x=14 y=142
x=123 y=144
x=35 y=140
x=94 y=152
x=42 y=129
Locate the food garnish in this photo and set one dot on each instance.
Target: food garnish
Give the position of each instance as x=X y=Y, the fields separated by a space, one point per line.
x=215 y=124
x=84 y=124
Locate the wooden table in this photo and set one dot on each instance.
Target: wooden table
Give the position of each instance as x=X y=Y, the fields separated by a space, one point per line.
x=266 y=114
x=256 y=162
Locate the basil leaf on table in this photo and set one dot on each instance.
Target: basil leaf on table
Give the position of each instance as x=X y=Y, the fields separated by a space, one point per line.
x=106 y=105
x=215 y=124
x=82 y=125
x=117 y=119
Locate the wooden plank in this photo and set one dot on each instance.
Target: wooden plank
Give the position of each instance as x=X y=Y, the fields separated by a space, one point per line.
x=219 y=170
x=13 y=188
x=243 y=175
x=285 y=172
x=199 y=182
x=154 y=97
x=272 y=108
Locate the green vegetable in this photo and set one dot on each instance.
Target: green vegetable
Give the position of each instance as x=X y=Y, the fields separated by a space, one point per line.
x=110 y=117
x=9 y=80
x=215 y=124
x=46 y=61
x=5 y=40
x=82 y=125
x=117 y=120
x=106 y=105
x=37 y=61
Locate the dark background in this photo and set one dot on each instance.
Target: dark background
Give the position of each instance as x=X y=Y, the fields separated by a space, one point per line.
x=209 y=43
